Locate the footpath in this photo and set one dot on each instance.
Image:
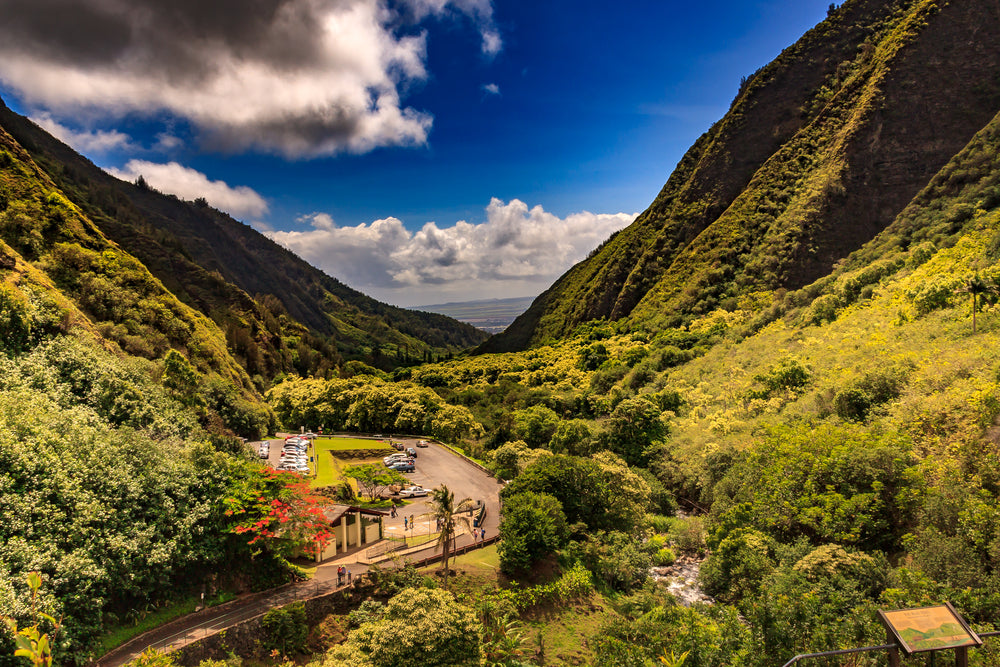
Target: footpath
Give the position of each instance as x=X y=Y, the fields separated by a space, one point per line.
x=193 y=627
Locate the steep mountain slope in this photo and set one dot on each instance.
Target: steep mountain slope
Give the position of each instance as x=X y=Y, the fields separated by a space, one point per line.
x=61 y=275
x=280 y=314
x=820 y=151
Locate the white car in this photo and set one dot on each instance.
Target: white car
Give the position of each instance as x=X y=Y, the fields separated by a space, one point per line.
x=413 y=492
x=392 y=458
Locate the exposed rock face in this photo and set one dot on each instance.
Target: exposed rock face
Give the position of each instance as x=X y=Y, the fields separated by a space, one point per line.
x=820 y=152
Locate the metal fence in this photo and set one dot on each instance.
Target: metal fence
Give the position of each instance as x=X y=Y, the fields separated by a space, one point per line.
x=865 y=649
x=385 y=546
x=303 y=590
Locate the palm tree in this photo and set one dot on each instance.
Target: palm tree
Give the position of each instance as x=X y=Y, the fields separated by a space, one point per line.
x=448 y=514
x=976 y=286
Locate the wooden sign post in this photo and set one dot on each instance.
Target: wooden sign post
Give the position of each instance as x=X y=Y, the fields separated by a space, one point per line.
x=927 y=629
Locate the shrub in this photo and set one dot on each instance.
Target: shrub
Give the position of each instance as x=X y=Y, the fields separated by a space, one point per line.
x=286 y=628
x=738 y=566
x=856 y=401
x=664 y=557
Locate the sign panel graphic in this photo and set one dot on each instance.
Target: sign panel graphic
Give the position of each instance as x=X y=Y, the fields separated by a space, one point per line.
x=929 y=629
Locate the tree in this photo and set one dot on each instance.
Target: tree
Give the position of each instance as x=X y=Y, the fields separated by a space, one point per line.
x=448 y=513
x=510 y=458
x=577 y=483
x=277 y=510
x=633 y=426
x=535 y=425
x=628 y=492
x=976 y=286
x=419 y=626
x=532 y=527
x=181 y=378
x=572 y=437
x=455 y=422
x=373 y=479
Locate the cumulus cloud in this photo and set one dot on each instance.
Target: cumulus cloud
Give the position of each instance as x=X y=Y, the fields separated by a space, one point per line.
x=191 y=184
x=481 y=12
x=514 y=252
x=97 y=141
x=491 y=89
x=295 y=77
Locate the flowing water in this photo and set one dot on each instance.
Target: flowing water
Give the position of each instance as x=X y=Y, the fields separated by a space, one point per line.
x=682 y=580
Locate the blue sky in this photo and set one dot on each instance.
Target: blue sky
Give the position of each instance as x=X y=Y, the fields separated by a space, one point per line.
x=421 y=151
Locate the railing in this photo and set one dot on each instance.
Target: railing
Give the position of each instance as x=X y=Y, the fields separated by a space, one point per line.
x=302 y=590
x=385 y=546
x=865 y=649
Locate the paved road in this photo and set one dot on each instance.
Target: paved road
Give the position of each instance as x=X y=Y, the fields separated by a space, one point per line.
x=435 y=465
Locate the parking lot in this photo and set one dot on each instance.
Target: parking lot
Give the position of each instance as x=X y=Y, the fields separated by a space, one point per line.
x=435 y=465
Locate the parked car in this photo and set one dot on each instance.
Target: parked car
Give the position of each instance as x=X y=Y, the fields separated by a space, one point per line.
x=411 y=451
x=404 y=466
x=421 y=443
x=413 y=492
x=398 y=446
x=399 y=456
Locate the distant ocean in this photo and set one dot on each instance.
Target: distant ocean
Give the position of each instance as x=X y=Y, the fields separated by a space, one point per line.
x=490 y=315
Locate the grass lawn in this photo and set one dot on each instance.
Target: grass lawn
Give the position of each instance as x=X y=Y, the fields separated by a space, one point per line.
x=329 y=468
x=487 y=557
x=341 y=444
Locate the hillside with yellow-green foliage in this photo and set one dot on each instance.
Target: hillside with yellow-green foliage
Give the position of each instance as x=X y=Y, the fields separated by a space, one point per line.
x=820 y=151
x=836 y=447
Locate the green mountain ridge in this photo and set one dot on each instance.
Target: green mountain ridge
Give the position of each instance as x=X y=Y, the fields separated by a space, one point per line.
x=279 y=313
x=821 y=150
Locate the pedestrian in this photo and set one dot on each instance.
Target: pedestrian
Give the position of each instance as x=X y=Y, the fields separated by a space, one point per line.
x=340 y=575
x=405 y=522
x=348 y=577
x=483 y=533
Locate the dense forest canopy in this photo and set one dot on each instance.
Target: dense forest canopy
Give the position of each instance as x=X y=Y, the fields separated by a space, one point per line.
x=757 y=376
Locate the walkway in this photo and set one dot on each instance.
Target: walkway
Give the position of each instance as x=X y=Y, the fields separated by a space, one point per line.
x=438 y=463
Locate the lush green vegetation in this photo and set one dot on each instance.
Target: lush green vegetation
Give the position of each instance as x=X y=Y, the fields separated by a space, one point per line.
x=838 y=450
x=111 y=490
x=817 y=389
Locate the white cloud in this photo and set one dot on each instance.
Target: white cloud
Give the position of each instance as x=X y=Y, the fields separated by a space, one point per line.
x=190 y=184
x=99 y=141
x=299 y=78
x=491 y=89
x=516 y=251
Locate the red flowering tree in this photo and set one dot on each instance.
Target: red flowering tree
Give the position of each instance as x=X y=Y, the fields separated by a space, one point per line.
x=278 y=512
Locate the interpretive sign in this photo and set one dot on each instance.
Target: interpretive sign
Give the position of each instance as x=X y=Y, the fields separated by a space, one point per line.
x=929 y=629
